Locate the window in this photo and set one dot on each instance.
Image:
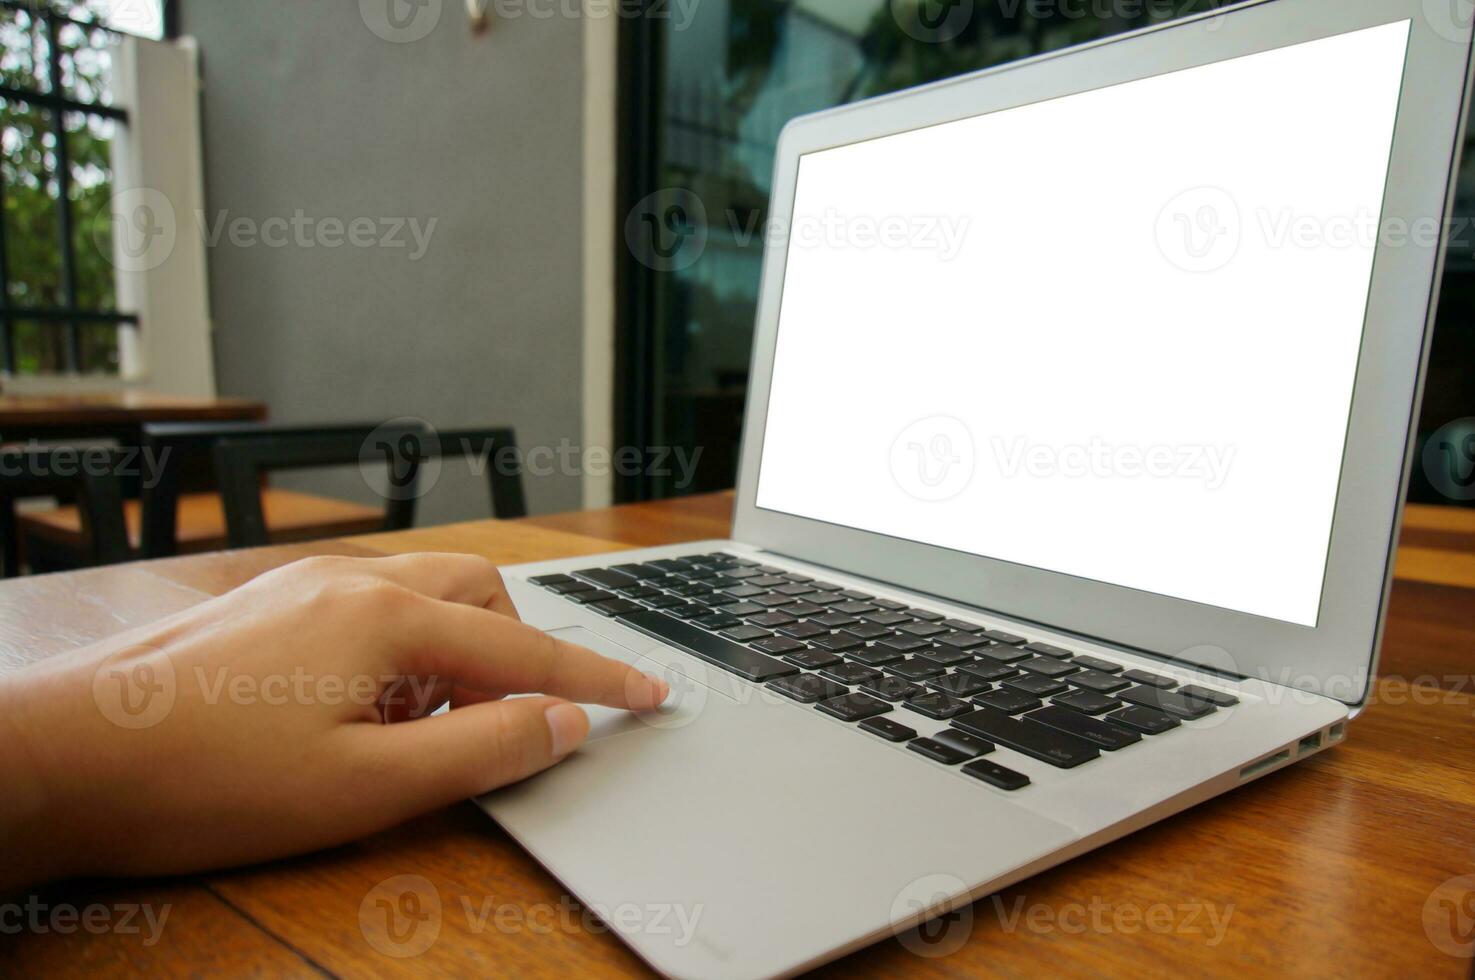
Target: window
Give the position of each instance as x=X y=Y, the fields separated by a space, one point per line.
x=58 y=305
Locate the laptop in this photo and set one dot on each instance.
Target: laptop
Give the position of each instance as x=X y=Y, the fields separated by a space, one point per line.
x=1082 y=405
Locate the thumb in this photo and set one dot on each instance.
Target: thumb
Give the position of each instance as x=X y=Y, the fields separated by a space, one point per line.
x=433 y=762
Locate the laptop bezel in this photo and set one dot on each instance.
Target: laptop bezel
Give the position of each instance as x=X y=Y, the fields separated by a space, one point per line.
x=1337 y=658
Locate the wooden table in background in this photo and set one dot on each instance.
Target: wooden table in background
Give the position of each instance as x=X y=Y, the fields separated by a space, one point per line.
x=1334 y=867
x=119 y=414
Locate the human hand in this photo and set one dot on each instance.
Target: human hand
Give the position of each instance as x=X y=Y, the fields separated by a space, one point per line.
x=288 y=715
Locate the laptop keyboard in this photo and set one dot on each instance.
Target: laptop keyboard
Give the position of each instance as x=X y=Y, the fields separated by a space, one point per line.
x=871 y=662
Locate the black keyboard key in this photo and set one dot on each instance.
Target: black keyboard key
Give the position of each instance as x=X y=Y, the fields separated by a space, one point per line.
x=837 y=643
x=743 y=591
x=767 y=581
x=771 y=620
x=1004 y=654
x=937 y=705
x=890 y=689
x=924 y=631
x=689 y=590
x=746 y=634
x=1009 y=702
x=1034 y=685
x=1151 y=680
x=987 y=670
x=854 y=707
x=547 y=580
x=1101 y=683
x=888 y=618
x=868 y=631
x=1034 y=740
x=608 y=577
x=970 y=745
x=644 y=593
x=903 y=644
x=914 y=670
x=673 y=564
x=1047 y=666
x=770 y=600
x=925 y=615
x=794 y=589
x=591 y=597
x=1008 y=639
x=713 y=599
x=1098 y=733
x=615 y=607
x=890 y=605
x=713 y=649
x=1173 y=703
x=641 y=571
x=743 y=574
x=688 y=611
x=808 y=688
x=961 y=625
x=1049 y=650
x=1216 y=698
x=803 y=607
x=805 y=631
x=855 y=608
x=850 y=674
x=570 y=588
x=996 y=775
x=670 y=602
x=938 y=752
x=1087 y=702
x=778 y=646
x=962 y=641
x=741 y=609
x=801 y=580
x=1095 y=663
x=825 y=598
x=875 y=656
x=853 y=595
x=812 y=659
x=1144 y=720
x=834 y=621
x=717 y=622
x=945 y=656
x=891 y=731
x=959 y=685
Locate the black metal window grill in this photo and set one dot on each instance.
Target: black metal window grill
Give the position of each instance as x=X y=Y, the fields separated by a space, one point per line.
x=58 y=302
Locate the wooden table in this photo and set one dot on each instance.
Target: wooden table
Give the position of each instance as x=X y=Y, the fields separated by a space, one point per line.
x=117 y=413
x=1333 y=867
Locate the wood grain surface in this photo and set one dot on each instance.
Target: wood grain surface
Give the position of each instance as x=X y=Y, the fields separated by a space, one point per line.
x=1341 y=866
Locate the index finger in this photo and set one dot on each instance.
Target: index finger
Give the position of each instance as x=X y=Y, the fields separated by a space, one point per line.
x=493 y=653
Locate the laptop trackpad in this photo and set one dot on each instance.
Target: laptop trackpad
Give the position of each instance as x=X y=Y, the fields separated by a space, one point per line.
x=680 y=710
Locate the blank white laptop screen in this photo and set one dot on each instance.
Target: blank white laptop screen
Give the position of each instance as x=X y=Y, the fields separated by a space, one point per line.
x=1112 y=335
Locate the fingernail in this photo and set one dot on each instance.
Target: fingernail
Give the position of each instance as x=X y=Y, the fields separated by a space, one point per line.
x=661 y=688
x=567 y=725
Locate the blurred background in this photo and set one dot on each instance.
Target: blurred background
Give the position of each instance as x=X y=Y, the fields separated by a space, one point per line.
x=540 y=214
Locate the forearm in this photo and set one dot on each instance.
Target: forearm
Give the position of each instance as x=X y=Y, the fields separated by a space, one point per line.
x=32 y=832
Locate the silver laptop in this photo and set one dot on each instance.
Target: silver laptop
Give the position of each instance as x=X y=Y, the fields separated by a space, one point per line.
x=1081 y=413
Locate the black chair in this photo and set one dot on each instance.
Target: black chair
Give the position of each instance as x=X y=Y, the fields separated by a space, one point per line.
x=242 y=462
x=91 y=476
x=184 y=455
